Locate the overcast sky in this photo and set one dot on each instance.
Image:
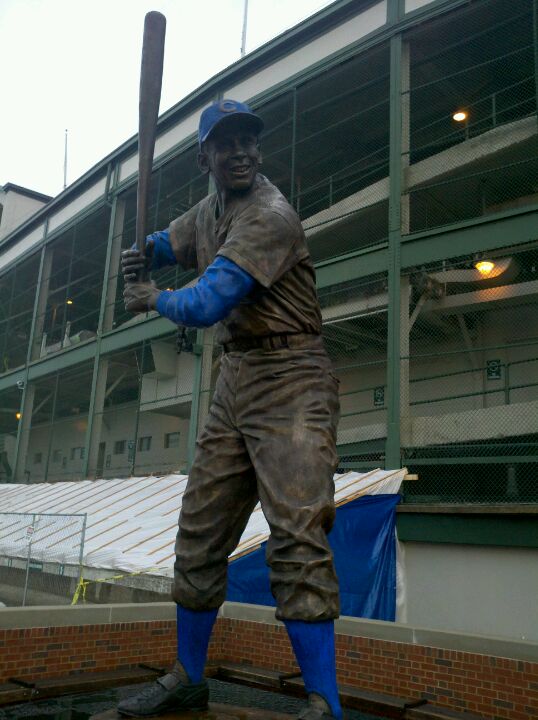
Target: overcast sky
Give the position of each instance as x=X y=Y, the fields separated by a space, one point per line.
x=75 y=64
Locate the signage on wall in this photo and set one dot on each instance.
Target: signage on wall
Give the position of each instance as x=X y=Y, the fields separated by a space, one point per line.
x=379 y=396
x=494 y=370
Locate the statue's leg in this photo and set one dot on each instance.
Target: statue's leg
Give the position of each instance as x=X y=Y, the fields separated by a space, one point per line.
x=293 y=449
x=220 y=496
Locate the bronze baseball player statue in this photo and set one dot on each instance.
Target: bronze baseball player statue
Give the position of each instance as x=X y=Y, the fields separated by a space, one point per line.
x=271 y=429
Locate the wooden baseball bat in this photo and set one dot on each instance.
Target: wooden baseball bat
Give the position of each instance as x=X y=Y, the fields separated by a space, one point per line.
x=151 y=71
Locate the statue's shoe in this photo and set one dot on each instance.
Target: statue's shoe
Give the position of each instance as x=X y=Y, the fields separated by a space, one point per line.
x=317 y=709
x=170 y=692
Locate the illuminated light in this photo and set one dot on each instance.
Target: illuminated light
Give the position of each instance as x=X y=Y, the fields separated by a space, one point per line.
x=169 y=289
x=460 y=116
x=484 y=267
x=18 y=415
x=69 y=302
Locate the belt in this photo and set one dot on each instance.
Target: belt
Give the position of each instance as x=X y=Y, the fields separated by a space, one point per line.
x=270 y=342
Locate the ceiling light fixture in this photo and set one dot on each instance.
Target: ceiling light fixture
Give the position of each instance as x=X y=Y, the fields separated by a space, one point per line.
x=484 y=267
x=69 y=301
x=460 y=116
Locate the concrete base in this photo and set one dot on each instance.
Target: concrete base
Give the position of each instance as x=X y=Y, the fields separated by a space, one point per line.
x=214 y=712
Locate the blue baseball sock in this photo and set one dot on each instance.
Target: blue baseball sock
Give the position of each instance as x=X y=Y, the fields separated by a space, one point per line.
x=193 y=632
x=313 y=645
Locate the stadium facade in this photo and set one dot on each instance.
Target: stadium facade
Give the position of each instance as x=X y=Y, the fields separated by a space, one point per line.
x=401 y=197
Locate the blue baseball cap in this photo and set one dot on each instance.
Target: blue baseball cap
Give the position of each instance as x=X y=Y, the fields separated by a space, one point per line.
x=222 y=110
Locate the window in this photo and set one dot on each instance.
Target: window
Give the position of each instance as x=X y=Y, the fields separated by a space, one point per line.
x=171 y=440
x=119 y=447
x=57 y=456
x=38 y=458
x=144 y=443
x=77 y=453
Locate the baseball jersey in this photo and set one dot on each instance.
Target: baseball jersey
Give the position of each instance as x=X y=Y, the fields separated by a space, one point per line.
x=262 y=234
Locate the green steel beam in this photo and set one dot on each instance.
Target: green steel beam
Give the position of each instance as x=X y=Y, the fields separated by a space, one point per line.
x=96 y=364
x=395 y=11
x=535 y=39
x=482 y=234
x=25 y=372
x=133 y=334
x=392 y=452
x=62 y=360
x=352 y=266
x=473 y=460
x=499 y=529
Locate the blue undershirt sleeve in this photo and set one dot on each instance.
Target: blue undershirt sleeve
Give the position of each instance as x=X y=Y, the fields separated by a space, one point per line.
x=223 y=285
x=163 y=254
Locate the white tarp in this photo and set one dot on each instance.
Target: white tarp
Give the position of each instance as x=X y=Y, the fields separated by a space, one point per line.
x=131 y=523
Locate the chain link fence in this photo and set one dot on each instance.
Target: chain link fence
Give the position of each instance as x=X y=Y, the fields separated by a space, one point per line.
x=41 y=557
x=470 y=379
x=355 y=335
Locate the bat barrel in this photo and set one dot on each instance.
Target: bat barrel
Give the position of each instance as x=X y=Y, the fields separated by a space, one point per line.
x=150 y=95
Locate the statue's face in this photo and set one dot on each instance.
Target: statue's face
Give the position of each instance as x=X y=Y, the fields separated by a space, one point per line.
x=232 y=155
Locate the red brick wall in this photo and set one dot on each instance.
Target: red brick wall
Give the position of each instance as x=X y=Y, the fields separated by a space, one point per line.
x=496 y=688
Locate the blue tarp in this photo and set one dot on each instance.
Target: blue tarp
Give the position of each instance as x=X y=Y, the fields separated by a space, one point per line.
x=363 y=540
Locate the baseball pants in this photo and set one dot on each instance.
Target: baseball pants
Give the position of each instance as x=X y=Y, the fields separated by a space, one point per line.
x=270 y=435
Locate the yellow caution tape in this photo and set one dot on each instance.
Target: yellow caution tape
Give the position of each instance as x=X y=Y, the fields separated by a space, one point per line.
x=83 y=584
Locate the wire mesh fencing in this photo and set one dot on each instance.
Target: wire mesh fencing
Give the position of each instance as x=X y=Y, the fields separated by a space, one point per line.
x=470 y=379
x=355 y=335
x=41 y=557
x=469 y=106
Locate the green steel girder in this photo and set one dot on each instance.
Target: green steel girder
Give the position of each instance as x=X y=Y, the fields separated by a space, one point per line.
x=480 y=235
x=494 y=529
x=62 y=360
x=352 y=266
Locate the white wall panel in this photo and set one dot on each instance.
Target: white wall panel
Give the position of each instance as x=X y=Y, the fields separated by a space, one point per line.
x=176 y=134
x=128 y=167
x=325 y=45
x=78 y=204
x=473 y=589
x=411 y=5
x=163 y=144
x=22 y=247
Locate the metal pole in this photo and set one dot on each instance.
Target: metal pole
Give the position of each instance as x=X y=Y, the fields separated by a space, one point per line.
x=137 y=420
x=392 y=449
x=28 y=562
x=244 y=33
x=82 y=540
x=65 y=160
